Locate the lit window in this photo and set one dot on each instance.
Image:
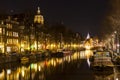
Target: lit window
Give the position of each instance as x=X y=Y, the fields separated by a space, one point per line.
x=15 y=34
x=9 y=26
x=7 y=33
x=15 y=41
x=9 y=41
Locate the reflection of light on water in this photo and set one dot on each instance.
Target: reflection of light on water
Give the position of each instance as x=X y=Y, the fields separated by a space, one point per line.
x=75 y=56
x=52 y=62
x=41 y=64
x=60 y=61
x=67 y=58
x=82 y=55
x=88 y=53
x=39 y=68
x=25 y=73
x=88 y=62
x=33 y=66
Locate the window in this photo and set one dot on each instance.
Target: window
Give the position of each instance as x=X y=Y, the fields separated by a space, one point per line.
x=9 y=33
x=9 y=41
x=9 y=26
x=15 y=34
x=15 y=41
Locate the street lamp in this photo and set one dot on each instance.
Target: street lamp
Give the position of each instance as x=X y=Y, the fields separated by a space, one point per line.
x=117 y=41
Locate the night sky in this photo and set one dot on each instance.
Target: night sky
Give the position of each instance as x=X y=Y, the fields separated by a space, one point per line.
x=80 y=15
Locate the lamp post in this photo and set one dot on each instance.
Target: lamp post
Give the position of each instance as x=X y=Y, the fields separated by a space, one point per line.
x=117 y=41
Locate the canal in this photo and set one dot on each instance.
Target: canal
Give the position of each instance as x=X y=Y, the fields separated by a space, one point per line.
x=74 y=67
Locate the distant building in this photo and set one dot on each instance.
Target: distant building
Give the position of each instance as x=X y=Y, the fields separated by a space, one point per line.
x=88 y=44
x=38 y=17
x=88 y=36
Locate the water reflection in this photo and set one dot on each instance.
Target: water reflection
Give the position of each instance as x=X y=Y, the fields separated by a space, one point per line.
x=46 y=68
x=105 y=77
x=33 y=71
x=86 y=54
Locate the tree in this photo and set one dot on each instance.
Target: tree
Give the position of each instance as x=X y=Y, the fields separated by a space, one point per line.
x=114 y=16
x=111 y=21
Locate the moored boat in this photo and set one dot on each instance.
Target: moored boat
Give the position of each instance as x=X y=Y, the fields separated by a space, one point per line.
x=61 y=53
x=102 y=61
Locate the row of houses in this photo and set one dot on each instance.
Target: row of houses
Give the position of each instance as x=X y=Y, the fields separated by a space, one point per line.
x=16 y=36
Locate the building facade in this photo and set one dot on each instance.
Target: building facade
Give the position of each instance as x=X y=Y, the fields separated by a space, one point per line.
x=18 y=36
x=9 y=37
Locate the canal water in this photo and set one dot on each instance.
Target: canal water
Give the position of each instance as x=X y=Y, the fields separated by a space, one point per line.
x=74 y=67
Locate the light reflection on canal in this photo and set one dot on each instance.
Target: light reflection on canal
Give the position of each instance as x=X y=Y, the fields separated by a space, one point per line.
x=43 y=70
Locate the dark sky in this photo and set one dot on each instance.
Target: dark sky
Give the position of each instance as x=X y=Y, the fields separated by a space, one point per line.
x=80 y=15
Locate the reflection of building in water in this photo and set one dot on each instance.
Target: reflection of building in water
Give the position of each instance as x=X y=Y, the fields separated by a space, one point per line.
x=107 y=76
x=86 y=54
x=82 y=55
x=31 y=70
x=104 y=77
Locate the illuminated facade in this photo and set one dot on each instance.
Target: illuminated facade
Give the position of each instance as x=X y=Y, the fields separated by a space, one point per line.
x=37 y=33
x=17 y=34
x=38 y=17
x=2 y=37
x=88 y=44
x=23 y=38
x=29 y=33
x=9 y=38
